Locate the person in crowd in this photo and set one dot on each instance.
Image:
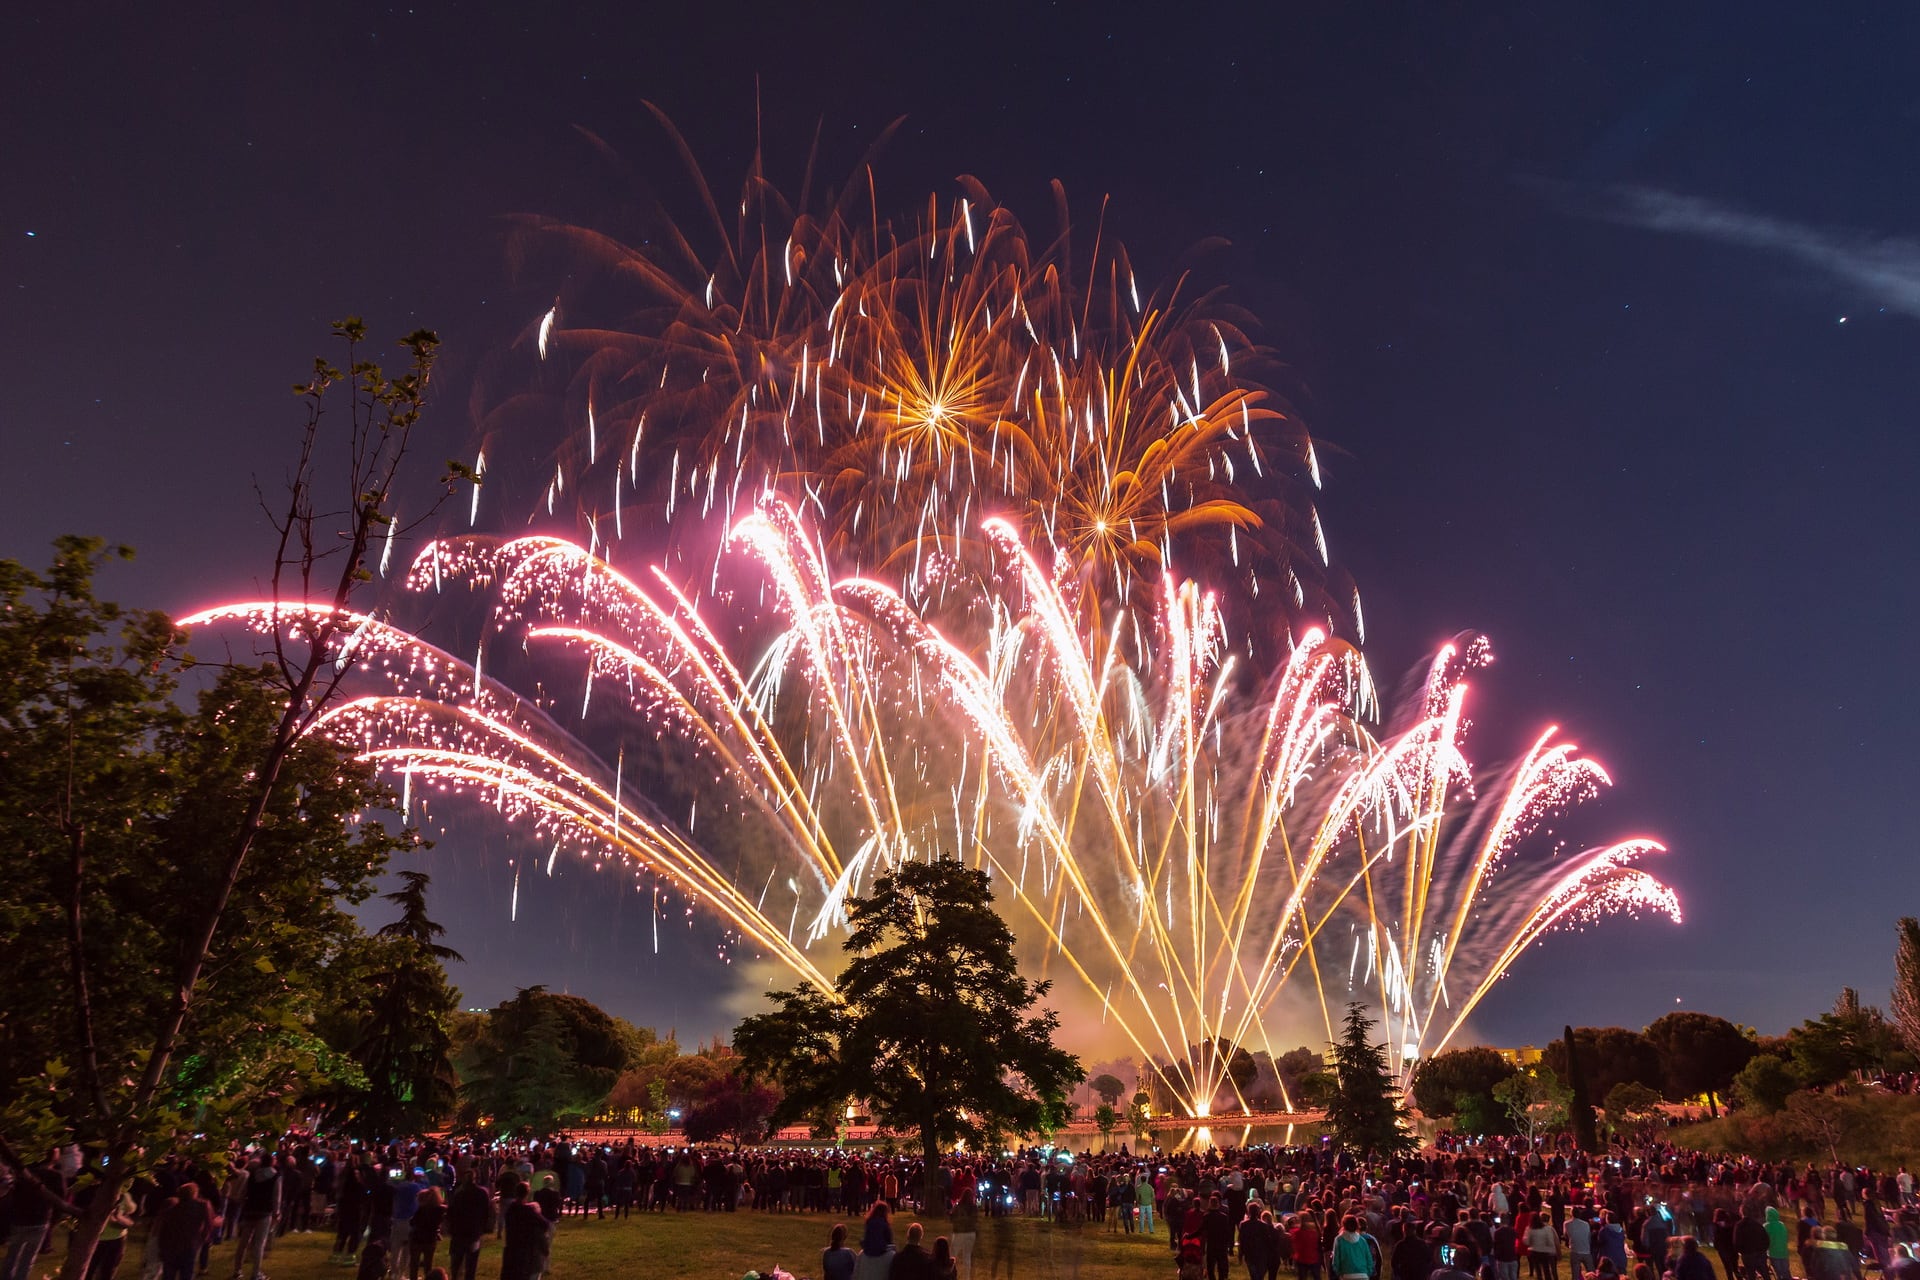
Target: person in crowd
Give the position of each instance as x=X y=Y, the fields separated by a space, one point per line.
x=1543 y=1249
x=182 y=1230
x=945 y=1266
x=912 y=1262
x=1779 y=1245
x=1692 y=1264
x=259 y=1205
x=469 y=1218
x=527 y=1234
x=966 y=1231
x=423 y=1236
x=1352 y=1257
x=836 y=1260
x=875 y=1261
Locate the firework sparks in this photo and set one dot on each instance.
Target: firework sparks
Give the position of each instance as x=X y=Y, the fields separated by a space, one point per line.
x=1187 y=845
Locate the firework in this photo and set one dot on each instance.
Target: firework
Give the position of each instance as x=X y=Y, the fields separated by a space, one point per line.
x=964 y=545
x=903 y=381
x=1190 y=843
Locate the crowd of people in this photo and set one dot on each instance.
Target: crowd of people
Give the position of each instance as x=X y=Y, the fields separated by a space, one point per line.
x=1461 y=1210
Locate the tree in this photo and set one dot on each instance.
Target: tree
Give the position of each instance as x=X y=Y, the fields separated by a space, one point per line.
x=930 y=1021
x=136 y=1010
x=544 y=1060
x=1906 y=983
x=1579 y=1102
x=1764 y=1083
x=1140 y=1116
x=1365 y=1112
x=1608 y=1056
x=1458 y=1084
x=1699 y=1055
x=733 y=1108
x=1294 y=1067
x=1109 y=1088
x=1536 y=1099
x=1836 y=1045
x=1821 y=1118
x=404 y=1040
x=1104 y=1119
x=1631 y=1105
x=319 y=567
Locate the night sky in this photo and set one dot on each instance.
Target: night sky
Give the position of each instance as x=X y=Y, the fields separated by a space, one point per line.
x=1607 y=317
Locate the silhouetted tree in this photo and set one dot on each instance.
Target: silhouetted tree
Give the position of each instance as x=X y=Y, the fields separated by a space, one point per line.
x=1365 y=1112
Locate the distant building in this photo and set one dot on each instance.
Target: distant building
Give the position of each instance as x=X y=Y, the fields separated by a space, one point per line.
x=1525 y=1056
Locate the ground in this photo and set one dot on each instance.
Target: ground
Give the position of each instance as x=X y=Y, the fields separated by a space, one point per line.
x=725 y=1246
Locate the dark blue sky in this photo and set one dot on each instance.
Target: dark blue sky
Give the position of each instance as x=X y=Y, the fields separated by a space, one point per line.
x=1565 y=287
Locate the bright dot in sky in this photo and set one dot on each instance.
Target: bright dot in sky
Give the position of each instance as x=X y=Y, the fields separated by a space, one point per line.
x=1843 y=319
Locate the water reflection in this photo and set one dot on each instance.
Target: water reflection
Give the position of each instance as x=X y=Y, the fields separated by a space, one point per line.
x=1200 y=1137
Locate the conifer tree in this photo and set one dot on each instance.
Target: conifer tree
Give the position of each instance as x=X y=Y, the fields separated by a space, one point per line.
x=1364 y=1111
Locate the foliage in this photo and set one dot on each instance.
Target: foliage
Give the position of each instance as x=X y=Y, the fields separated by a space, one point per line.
x=118 y=808
x=402 y=1039
x=930 y=1022
x=1608 y=1056
x=1536 y=1099
x=1105 y=1119
x=1851 y=1039
x=1699 y=1055
x=1364 y=1111
x=1631 y=1106
x=542 y=1061
x=1458 y=1084
x=1109 y=1087
x=732 y=1108
x=1140 y=1116
x=1764 y=1083
x=1881 y=1132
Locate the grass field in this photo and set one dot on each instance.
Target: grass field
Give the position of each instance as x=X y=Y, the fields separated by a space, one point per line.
x=724 y=1246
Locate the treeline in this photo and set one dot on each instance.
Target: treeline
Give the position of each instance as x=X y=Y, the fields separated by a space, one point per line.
x=1624 y=1078
x=543 y=1062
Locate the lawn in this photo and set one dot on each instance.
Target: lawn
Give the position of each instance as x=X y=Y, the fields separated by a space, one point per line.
x=724 y=1246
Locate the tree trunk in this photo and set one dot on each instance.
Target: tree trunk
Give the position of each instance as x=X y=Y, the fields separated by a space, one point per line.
x=931 y=1201
x=85 y=1234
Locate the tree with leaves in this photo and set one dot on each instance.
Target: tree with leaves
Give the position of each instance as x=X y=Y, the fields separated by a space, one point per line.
x=1699 y=1055
x=1764 y=1083
x=320 y=565
x=930 y=1022
x=1140 y=1115
x=1631 y=1106
x=403 y=1038
x=1536 y=1099
x=732 y=1108
x=118 y=800
x=543 y=1061
x=1364 y=1110
x=1109 y=1088
x=1608 y=1056
x=1458 y=1084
